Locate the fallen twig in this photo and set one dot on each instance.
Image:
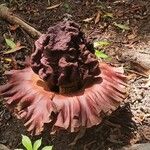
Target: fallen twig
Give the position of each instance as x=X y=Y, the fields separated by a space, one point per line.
x=54 y=6
x=135 y=72
x=139 y=67
x=7 y=15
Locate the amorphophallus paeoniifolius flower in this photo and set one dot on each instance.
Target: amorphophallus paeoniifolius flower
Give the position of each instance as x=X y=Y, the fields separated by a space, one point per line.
x=65 y=79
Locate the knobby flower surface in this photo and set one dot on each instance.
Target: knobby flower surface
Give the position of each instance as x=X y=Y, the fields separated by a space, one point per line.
x=65 y=84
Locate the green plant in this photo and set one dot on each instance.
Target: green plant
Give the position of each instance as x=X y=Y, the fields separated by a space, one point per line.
x=100 y=54
x=98 y=46
x=27 y=143
x=13 y=47
x=101 y=44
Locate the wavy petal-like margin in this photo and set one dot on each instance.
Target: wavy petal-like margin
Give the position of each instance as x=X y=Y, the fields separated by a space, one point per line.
x=87 y=107
x=30 y=99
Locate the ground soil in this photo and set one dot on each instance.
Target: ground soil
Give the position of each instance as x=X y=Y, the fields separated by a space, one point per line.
x=130 y=123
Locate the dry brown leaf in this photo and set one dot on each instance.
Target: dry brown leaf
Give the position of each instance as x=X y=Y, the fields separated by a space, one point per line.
x=143 y=70
x=54 y=6
x=13 y=27
x=131 y=76
x=97 y=19
x=131 y=36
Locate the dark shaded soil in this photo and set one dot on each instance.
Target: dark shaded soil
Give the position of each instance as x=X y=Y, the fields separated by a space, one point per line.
x=120 y=128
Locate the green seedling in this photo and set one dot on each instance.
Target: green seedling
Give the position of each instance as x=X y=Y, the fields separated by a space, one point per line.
x=99 y=45
x=100 y=54
x=27 y=143
x=13 y=47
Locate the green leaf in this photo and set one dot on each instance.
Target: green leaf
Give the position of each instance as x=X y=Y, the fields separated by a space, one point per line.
x=101 y=44
x=100 y=54
x=26 y=142
x=47 y=148
x=10 y=43
x=37 y=144
x=121 y=26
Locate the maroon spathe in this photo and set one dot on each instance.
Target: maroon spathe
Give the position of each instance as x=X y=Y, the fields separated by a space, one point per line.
x=63 y=57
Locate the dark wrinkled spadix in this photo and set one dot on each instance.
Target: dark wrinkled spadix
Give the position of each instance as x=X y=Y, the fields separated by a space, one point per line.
x=65 y=78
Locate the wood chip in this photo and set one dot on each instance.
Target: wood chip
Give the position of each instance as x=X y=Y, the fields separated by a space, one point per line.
x=54 y=6
x=88 y=19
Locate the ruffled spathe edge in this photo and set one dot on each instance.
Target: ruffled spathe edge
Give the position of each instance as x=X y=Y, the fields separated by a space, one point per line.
x=29 y=98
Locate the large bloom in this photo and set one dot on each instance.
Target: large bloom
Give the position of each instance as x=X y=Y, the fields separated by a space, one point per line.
x=64 y=79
